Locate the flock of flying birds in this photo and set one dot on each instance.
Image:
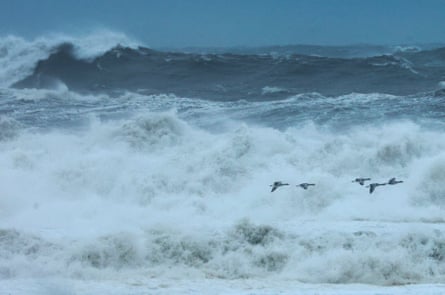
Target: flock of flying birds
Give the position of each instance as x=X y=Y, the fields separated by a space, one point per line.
x=360 y=181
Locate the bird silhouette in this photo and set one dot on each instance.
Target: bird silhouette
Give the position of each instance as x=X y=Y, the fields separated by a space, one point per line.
x=305 y=185
x=372 y=186
x=394 y=181
x=361 y=180
x=276 y=185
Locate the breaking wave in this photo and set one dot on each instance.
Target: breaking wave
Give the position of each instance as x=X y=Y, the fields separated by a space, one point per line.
x=19 y=57
x=153 y=193
x=120 y=161
x=104 y=63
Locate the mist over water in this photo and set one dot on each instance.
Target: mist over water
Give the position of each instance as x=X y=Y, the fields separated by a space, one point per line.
x=120 y=183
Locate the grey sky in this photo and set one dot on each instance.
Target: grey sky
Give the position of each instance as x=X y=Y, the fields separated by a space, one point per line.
x=176 y=23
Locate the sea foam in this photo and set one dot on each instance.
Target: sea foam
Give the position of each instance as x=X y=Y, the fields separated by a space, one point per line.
x=154 y=193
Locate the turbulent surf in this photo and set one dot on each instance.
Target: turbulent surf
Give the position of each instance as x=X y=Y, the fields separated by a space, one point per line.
x=146 y=167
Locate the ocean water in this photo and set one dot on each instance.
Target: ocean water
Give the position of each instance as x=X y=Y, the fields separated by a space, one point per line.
x=128 y=170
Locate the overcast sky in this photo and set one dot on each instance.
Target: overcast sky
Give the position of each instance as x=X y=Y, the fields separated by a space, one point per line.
x=179 y=23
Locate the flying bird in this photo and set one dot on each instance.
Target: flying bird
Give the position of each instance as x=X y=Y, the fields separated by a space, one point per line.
x=361 y=180
x=305 y=185
x=277 y=184
x=372 y=186
x=394 y=181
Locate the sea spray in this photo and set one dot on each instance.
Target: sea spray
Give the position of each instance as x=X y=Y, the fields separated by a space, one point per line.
x=142 y=186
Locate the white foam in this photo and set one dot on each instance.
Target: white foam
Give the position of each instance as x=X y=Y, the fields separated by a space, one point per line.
x=152 y=194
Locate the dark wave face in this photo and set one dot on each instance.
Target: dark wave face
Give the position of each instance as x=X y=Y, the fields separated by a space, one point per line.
x=238 y=76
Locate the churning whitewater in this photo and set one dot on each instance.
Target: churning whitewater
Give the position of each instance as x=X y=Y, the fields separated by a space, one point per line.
x=129 y=165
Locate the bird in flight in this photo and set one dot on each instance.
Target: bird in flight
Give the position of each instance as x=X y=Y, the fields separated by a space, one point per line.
x=277 y=184
x=361 y=180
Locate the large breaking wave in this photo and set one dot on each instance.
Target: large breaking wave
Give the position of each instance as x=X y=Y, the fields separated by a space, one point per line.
x=233 y=76
x=18 y=56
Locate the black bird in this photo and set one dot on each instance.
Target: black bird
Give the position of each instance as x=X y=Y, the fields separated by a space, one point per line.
x=361 y=180
x=372 y=186
x=394 y=181
x=305 y=185
x=277 y=184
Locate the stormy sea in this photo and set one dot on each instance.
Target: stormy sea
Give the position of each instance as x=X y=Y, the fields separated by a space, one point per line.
x=131 y=170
